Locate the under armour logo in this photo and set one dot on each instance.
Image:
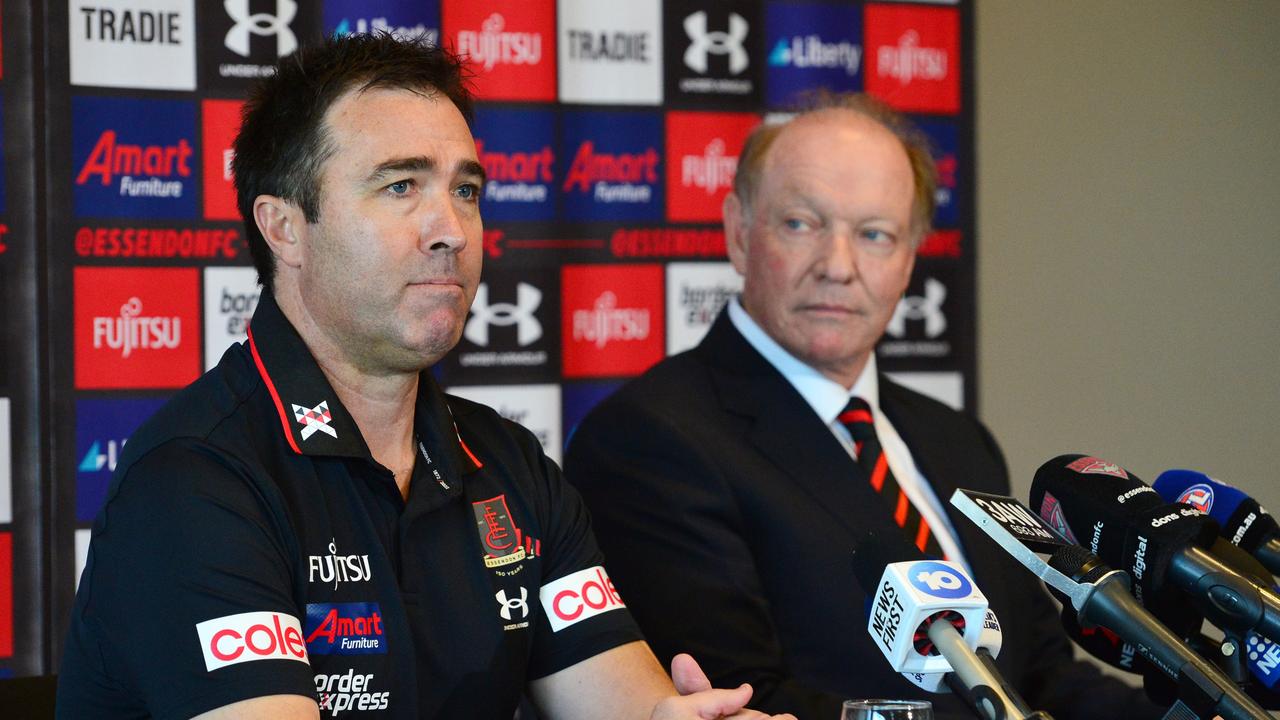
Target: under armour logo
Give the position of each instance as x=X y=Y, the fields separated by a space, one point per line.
x=927 y=307
x=507 y=605
x=313 y=419
x=719 y=42
x=520 y=314
x=263 y=24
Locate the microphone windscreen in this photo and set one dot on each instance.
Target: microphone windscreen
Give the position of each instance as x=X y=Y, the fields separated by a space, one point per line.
x=1243 y=521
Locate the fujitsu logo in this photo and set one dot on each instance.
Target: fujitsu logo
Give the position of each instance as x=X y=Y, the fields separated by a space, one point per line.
x=492 y=46
x=109 y=158
x=590 y=167
x=131 y=330
x=908 y=60
x=335 y=568
x=710 y=171
x=606 y=322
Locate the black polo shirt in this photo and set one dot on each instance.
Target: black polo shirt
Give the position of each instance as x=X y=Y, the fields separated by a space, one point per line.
x=250 y=545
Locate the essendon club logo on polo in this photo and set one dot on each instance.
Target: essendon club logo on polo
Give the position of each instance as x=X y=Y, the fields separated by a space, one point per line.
x=579 y=596
x=510 y=45
x=702 y=157
x=133 y=157
x=136 y=328
x=613 y=171
x=250 y=636
x=913 y=57
x=219 y=121
x=612 y=319
x=313 y=419
x=1096 y=466
x=499 y=535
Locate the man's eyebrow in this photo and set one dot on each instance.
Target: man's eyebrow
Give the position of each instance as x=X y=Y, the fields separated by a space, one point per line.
x=401 y=165
x=471 y=167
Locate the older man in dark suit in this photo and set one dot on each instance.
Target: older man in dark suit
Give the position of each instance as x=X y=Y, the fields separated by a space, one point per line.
x=729 y=484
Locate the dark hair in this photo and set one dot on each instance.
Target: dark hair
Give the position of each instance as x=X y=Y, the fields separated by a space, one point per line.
x=914 y=142
x=283 y=142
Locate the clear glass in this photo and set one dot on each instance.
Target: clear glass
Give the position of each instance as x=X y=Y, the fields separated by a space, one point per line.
x=887 y=710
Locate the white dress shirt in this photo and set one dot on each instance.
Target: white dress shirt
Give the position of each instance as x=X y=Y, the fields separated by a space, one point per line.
x=828 y=398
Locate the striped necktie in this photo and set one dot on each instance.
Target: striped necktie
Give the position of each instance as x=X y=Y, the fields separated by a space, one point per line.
x=871 y=458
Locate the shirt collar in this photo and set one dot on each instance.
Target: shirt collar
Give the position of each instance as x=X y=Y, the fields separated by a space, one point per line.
x=826 y=396
x=313 y=419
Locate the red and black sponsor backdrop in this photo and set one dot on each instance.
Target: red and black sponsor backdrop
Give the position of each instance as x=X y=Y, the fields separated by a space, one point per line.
x=609 y=129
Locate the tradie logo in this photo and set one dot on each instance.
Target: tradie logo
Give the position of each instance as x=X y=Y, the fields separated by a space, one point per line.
x=109 y=158
x=809 y=51
x=908 y=60
x=131 y=330
x=927 y=307
x=606 y=322
x=261 y=24
x=492 y=46
x=520 y=314
x=313 y=419
x=710 y=171
x=703 y=43
x=507 y=605
x=95 y=460
x=1095 y=466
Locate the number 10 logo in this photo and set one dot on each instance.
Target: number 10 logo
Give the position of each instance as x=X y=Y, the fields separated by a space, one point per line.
x=939 y=580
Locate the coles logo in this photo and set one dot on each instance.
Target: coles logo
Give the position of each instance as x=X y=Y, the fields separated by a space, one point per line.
x=612 y=319
x=133 y=157
x=136 y=328
x=1199 y=496
x=514 y=146
x=913 y=57
x=579 y=596
x=614 y=169
x=245 y=637
x=1094 y=466
x=702 y=156
x=510 y=45
x=219 y=122
x=345 y=629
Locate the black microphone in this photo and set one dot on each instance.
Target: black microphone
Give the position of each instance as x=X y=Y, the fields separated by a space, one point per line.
x=1242 y=520
x=1128 y=525
x=1100 y=596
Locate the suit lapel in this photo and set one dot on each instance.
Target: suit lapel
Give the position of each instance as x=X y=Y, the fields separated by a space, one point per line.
x=787 y=432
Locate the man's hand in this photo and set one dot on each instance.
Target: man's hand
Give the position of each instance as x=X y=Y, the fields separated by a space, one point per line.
x=699 y=701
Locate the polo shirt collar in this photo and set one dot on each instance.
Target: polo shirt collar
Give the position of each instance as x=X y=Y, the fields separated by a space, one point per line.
x=312 y=418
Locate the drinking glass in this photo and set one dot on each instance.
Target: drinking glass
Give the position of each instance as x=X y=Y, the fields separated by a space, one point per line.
x=887 y=710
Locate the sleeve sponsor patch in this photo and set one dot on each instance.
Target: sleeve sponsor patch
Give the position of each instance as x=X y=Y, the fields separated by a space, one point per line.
x=579 y=596
x=250 y=636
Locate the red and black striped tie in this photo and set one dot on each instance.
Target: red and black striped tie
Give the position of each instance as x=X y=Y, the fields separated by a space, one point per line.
x=857 y=418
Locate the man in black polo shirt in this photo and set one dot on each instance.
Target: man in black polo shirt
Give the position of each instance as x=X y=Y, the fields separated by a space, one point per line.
x=313 y=529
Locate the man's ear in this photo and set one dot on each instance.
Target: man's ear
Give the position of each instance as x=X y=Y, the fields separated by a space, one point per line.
x=735 y=232
x=283 y=225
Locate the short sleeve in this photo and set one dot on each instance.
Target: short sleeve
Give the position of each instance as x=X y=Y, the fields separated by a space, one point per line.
x=187 y=597
x=582 y=613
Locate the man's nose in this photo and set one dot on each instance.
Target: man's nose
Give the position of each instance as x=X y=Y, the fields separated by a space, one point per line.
x=838 y=256
x=443 y=228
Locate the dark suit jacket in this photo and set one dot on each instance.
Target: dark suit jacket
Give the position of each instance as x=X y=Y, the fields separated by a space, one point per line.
x=728 y=511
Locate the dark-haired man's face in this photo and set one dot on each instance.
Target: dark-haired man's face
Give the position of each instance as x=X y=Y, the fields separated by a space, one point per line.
x=391 y=266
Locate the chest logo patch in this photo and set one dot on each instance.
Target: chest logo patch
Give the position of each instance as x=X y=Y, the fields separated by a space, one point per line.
x=313 y=419
x=499 y=535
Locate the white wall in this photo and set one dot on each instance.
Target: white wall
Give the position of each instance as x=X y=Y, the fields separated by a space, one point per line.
x=1129 y=234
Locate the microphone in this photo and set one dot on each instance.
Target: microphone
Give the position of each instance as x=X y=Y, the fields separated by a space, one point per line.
x=1100 y=596
x=1241 y=519
x=1129 y=525
x=935 y=627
